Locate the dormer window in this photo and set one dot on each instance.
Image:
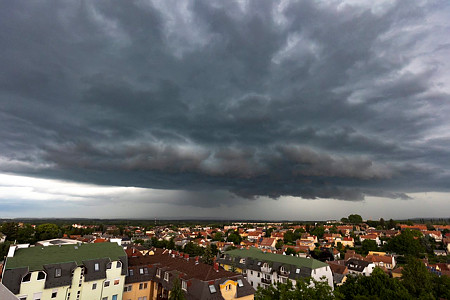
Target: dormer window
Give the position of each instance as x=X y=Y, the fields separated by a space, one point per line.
x=146 y=270
x=130 y=272
x=26 y=278
x=58 y=272
x=242 y=261
x=119 y=265
x=158 y=273
x=108 y=266
x=41 y=275
x=166 y=276
x=184 y=285
x=265 y=265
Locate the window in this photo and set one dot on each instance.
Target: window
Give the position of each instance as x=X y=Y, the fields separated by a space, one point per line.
x=145 y=285
x=116 y=281
x=114 y=297
x=259 y=274
x=23 y=297
x=145 y=270
x=212 y=289
x=108 y=266
x=105 y=298
x=297 y=271
x=166 y=276
x=127 y=288
x=141 y=271
x=118 y=265
x=94 y=286
x=141 y=286
x=26 y=278
x=54 y=293
x=106 y=283
x=41 y=275
x=96 y=267
x=158 y=273
x=184 y=285
x=240 y=283
x=251 y=272
x=37 y=296
x=130 y=272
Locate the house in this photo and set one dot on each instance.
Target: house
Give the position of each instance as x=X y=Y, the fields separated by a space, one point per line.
x=253 y=236
x=437 y=235
x=345 y=241
x=85 y=271
x=339 y=271
x=359 y=267
x=267 y=243
x=306 y=243
x=2 y=238
x=263 y=269
x=152 y=276
x=382 y=261
x=6 y=294
x=397 y=272
x=372 y=237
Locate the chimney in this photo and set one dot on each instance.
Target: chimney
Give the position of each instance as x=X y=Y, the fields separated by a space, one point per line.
x=216 y=267
x=186 y=256
x=196 y=260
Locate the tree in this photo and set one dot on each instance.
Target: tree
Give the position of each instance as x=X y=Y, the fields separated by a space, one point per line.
x=289 y=237
x=318 y=231
x=406 y=243
x=218 y=236
x=235 y=238
x=305 y=288
x=344 y=220
x=368 y=245
x=279 y=244
x=176 y=293
x=355 y=219
x=171 y=244
x=10 y=230
x=47 y=231
x=4 y=247
x=391 y=224
x=208 y=256
x=377 y=286
x=382 y=223
x=290 y=251
x=417 y=279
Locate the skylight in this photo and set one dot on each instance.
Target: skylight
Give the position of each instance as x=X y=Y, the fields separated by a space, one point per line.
x=212 y=289
x=240 y=283
x=297 y=271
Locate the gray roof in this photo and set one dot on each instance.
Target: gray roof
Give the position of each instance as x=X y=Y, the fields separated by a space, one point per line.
x=6 y=294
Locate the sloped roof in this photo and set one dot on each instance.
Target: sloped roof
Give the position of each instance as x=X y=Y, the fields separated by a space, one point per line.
x=283 y=259
x=36 y=257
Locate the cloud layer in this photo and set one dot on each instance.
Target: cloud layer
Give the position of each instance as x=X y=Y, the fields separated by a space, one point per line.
x=315 y=99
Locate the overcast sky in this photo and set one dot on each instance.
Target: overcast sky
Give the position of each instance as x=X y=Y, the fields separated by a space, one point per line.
x=228 y=109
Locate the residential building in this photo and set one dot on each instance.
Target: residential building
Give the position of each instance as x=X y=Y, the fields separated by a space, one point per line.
x=263 y=269
x=267 y=243
x=386 y=261
x=359 y=267
x=345 y=241
x=151 y=277
x=66 y=272
x=372 y=237
x=6 y=294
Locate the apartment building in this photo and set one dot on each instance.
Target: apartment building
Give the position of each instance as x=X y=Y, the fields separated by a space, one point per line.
x=66 y=272
x=263 y=269
x=152 y=276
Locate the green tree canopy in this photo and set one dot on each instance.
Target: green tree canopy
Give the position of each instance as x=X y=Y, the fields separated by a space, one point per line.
x=355 y=219
x=406 y=243
x=305 y=288
x=47 y=231
x=176 y=293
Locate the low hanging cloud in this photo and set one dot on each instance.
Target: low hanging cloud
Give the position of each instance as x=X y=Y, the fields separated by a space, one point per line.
x=337 y=99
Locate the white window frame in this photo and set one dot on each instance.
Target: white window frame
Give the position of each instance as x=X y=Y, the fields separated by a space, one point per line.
x=184 y=285
x=166 y=276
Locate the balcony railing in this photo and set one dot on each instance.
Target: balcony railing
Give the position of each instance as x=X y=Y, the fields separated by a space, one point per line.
x=265 y=280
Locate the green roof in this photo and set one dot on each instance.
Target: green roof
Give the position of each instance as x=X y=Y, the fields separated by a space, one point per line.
x=279 y=258
x=36 y=257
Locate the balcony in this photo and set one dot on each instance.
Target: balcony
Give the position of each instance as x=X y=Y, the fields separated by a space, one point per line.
x=266 y=281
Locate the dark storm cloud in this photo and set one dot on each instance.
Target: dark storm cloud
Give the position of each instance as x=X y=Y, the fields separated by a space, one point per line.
x=259 y=98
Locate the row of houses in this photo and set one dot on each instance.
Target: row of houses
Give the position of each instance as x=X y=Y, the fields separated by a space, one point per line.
x=104 y=271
